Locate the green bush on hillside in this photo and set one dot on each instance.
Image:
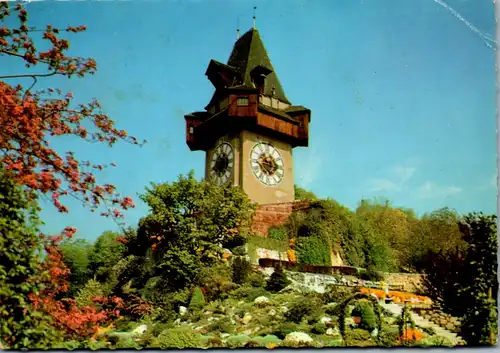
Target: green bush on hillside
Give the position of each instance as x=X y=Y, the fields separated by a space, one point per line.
x=313 y=251
x=357 y=335
x=364 y=310
x=217 y=281
x=277 y=281
x=301 y=309
x=319 y=328
x=278 y=233
x=368 y=320
x=285 y=328
x=180 y=337
x=91 y=289
x=197 y=300
x=256 y=279
x=241 y=270
x=248 y=293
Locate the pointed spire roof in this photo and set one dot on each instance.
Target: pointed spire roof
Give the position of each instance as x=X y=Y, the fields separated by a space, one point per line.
x=248 y=54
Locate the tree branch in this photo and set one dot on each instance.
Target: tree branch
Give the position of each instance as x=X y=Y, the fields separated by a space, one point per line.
x=29 y=75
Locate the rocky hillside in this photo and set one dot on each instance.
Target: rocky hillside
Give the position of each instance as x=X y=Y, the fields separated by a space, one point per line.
x=251 y=316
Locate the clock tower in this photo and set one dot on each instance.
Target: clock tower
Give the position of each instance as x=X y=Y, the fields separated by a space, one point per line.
x=249 y=128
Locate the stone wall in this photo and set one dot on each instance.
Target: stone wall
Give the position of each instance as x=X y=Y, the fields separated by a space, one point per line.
x=410 y=282
x=275 y=214
x=440 y=318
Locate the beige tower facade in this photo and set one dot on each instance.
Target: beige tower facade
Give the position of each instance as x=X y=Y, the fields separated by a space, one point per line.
x=259 y=186
x=249 y=128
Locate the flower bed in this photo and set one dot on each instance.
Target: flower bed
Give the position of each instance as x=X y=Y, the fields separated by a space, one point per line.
x=398 y=297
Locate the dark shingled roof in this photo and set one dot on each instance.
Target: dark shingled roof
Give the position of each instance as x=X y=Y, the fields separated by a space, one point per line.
x=296 y=108
x=248 y=53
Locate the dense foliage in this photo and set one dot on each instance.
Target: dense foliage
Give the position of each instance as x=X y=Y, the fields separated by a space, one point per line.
x=188 y=225
x=20 y=269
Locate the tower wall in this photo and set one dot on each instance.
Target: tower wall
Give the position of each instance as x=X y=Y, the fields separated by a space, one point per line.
x=257 y=191
x=274 y=215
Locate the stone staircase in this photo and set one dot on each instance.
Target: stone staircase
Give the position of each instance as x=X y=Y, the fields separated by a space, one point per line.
x=396 y=309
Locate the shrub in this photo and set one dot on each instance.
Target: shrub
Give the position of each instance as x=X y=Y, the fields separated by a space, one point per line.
x=285 y=328
x=388 y=336
x=239 y=250
x=256 y=279
x=357 y=335
x=333 y=310
x=241 y=270
x=216 y=280
x=197 y=300
x=301 y=309
x=435 y=341
x=359 y=307
x=313 y=251
x=127 y=344
x=278 y=233
x=248 y=293
x=319 y=328
x=337 y=294
x=237 y=341
x=91 y=289
x=368 y=319
x=263 y=342
x=277 y=281
x=370 y=274
x=180 y=337
x=222 y=326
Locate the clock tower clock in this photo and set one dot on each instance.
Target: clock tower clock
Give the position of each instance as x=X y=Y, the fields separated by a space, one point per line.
x=249 y=128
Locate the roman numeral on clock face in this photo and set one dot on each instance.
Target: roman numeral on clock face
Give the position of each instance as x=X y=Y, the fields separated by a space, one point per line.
x=221 y=163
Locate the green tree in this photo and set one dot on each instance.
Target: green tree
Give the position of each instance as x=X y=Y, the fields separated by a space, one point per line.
x=479 y=279
x=303 y=194
x=105 y=253
x=76 y=255
x=390 y=230
x=462 y=278
x=21 y=326
x=188 y=224
x=436 y=233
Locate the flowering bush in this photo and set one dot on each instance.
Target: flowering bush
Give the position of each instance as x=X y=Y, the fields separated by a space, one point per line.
x=74 y=321
x=411 y=334
x=399 y=297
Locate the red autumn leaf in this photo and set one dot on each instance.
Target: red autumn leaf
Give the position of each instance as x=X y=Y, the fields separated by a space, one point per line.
x=30 y=119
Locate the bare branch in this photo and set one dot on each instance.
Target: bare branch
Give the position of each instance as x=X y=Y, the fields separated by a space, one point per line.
x=29 y=75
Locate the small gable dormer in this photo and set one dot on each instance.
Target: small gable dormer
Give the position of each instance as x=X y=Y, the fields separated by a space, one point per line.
x=221 y=75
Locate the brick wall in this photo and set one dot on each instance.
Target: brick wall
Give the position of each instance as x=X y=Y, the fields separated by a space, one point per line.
x=274 y=214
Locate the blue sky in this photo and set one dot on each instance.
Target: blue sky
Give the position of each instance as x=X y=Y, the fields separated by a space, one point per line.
x=402 y=93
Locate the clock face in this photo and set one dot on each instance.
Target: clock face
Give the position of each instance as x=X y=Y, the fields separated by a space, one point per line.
x=267 y=164
x=221 y=164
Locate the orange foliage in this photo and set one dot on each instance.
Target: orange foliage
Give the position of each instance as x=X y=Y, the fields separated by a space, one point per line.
x=31 y=119
x=410 y=334
x=399 y=297
x=291 y=255
x=65 y=313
